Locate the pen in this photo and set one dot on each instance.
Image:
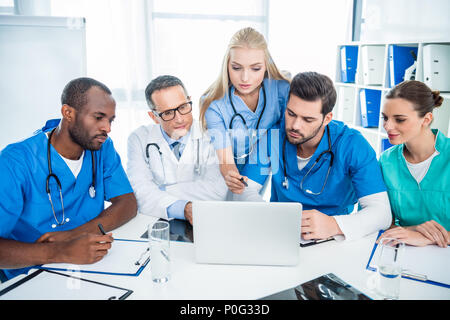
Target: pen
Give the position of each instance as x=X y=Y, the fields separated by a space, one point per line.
x=138 y=262
x=243 y=181
x=315 y=242
x=165 y=255
x=396 y=251
x=101 y=229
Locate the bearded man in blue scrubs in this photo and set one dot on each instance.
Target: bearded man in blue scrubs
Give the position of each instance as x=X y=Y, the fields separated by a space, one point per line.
x=53 y=186
x=324 y=165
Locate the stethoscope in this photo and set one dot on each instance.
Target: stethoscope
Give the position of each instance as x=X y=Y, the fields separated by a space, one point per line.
x=54 y=176
x=197 y=166
x=285 y=183
x=238 y=115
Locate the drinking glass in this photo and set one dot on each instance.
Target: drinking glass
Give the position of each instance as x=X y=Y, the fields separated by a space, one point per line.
x=389 y=267
x=159 y=251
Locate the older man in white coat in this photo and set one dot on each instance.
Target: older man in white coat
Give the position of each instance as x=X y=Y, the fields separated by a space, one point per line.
x=172 y=162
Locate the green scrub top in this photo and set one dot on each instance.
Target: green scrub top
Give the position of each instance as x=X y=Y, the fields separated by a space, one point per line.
x=414 y=203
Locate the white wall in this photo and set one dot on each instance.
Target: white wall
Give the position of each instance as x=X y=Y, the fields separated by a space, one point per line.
x=38 y=56
x=303 y=34
x=405 y=20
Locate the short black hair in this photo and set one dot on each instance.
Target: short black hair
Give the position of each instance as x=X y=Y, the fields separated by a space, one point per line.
x=74 y=93
x=311 y=86
x=159 y=83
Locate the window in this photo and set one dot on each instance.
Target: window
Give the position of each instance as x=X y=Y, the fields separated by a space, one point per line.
x=131 y=42
x=6 y=6
x=190 y=37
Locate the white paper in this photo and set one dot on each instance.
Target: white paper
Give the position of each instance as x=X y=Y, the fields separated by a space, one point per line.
x=120 y=259
x=62 y=288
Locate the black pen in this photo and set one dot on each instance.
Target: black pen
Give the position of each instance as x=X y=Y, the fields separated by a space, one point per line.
x=315 y=242
x=101 y=229
x=243 y=181
x=396 y=251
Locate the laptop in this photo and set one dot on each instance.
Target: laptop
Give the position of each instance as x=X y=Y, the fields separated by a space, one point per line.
x=248 y=233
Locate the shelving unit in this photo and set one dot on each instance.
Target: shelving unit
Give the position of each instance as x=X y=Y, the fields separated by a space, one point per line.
x=348 y=104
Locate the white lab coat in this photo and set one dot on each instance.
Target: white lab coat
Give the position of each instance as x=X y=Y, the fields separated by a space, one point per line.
x=154 y=193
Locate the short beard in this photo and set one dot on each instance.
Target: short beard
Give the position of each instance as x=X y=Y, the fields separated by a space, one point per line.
x=300 y=141
x=80 y=136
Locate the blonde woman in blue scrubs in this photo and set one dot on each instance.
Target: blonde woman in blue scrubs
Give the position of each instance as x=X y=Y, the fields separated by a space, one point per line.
x=248 y=98
x=416 y=170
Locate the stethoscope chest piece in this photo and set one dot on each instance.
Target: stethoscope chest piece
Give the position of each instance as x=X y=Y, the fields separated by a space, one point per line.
x=55 y=225
x=92 y=192
x=285 y=183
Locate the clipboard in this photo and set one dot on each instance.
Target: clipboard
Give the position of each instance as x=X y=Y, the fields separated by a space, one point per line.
x=125 y=258
x=409 y=273
x=63 y=287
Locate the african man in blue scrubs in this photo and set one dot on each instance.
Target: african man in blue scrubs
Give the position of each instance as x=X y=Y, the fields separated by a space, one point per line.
x=324 y=165
x=53 y=186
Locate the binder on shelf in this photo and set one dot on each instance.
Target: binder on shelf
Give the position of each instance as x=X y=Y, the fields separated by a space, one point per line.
x=372 y=61
x=349 y=61
x=346 y=104
x=370 y=107
x=400 y=59
x=385 y=144
x=427 y=264
x=436 y=66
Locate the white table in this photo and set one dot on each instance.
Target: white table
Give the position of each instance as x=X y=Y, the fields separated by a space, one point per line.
x=192 y=281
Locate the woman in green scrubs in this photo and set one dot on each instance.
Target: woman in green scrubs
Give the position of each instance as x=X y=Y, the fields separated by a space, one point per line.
x=416 y=170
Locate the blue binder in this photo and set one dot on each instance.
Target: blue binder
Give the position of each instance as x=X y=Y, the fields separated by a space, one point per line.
x=349 y=61
x=385 y=144
x=400 y=58
x=370 y=107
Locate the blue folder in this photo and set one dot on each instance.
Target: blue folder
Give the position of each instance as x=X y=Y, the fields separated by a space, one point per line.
x=400 y=59
x=349 y=61
x=370 y=107
x=385 y=144
x=409 y=275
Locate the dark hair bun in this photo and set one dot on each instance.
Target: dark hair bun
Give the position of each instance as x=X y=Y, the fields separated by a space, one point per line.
x=438 y=99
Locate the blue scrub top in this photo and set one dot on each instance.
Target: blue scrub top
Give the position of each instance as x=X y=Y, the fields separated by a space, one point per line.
x=220 y=113
x=25 y=210
x=355 y=172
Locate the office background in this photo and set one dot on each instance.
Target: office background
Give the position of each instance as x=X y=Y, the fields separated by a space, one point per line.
x=127 y=43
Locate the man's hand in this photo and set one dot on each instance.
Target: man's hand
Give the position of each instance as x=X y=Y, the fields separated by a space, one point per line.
x=188 y=212
x=317 y=225
x=57 y=236
x=86 y=249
